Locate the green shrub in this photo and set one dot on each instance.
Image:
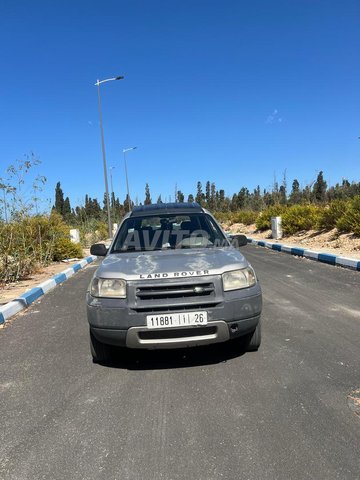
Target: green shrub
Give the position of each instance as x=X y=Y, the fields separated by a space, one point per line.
x=101 y=231
x=93 y=231
x=222 y=217
x=33 y=242
x=263 y=221
x=300 y=217
x=331 y=214
x=349 y=222
x=64 y=248
x=247 y=217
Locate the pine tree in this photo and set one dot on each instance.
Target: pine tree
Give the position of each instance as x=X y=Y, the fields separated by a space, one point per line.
x=233 y=204
x=295 y=194
x=212 y=196
x=95 y=209
x=128 y=207
x=283 y=190
x=221 y=199
x=243 y=198
x=190 y=198
x=282 y=195
x=59 y=199
x=207 y=194
x=199 y=194
x=180 y=196
x=66 y=209
x=256 y=199
x=105 y=202
x=319 y=189
x=147 y=200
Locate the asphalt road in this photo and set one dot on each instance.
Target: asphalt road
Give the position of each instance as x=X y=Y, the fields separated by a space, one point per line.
x=199 y=414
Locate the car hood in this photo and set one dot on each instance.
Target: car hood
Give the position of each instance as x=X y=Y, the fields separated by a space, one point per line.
x=158 y=264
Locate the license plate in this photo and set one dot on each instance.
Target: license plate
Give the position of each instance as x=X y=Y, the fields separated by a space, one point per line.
x=183 y=319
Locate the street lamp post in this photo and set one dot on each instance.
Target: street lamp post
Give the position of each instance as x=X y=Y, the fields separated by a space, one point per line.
x=98 y=83
x=126 y=175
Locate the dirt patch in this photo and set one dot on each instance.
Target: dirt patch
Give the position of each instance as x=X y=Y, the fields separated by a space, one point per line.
x=345 y=245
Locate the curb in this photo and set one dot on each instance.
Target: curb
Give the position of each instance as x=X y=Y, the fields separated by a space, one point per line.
x=328 y=258
x=27 y=298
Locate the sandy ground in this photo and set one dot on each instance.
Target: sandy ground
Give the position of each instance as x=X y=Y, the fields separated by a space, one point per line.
x=345 y=245
x=13 y=290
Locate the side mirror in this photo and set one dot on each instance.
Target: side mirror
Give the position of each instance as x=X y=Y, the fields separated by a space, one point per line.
x=98 y=249
x=238 y=241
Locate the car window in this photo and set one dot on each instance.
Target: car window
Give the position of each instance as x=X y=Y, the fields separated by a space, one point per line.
x=168 y=231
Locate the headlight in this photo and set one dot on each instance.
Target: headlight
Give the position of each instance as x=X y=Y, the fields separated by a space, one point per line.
x=239 y=279
x=108 y=287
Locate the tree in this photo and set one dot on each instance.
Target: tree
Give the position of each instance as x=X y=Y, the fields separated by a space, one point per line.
x=234 y=203
x=180 y=196
x=190 y=198
x=255 y=199
x=212 y=196
x=147 y=200
x=59 y=199
x=319 y=188
x=92 y=208
x=268 y=198
x=126 y=203
x=112 y=203
x=295 y=194
x=105 y=202
x=282 y=194
x=159 y=199
x=207 y=193
x=66 y=213
x=243 y=198
x=199 y=194
x=283 y=190
x=306 y=194
x=221 y=200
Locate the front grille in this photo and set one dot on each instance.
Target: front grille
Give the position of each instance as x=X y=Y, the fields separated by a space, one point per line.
x=175 y=308
x=177 y=291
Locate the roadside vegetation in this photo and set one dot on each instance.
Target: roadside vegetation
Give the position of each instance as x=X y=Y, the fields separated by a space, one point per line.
x=30 y=239
x=344 y=215
x=313 y=207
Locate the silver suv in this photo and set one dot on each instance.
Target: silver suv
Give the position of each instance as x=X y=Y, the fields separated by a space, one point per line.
x=172 y=278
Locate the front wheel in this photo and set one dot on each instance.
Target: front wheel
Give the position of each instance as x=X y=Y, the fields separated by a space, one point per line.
x=101 y=353
x=254 y=339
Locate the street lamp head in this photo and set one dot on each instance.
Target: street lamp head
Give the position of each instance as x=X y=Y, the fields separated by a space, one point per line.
x=99 y=82
x=128 y=149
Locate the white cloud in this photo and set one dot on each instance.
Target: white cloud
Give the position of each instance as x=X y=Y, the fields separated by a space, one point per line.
x=274 y=117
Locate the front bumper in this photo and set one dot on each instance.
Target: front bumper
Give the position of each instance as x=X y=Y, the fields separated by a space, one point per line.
x=113 y=322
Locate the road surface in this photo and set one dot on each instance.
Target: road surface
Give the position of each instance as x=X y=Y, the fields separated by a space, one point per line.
x=203 y=414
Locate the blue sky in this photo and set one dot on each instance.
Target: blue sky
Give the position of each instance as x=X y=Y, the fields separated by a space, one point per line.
x=229 y=91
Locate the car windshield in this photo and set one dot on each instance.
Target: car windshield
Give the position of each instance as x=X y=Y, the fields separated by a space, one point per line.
x=160 y=232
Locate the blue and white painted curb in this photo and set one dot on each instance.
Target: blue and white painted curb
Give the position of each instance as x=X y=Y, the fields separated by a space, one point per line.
x=27 y=298
x=302 y=252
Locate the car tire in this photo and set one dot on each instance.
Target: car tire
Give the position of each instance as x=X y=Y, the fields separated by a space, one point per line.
x=254 y=339
x=101 y=353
